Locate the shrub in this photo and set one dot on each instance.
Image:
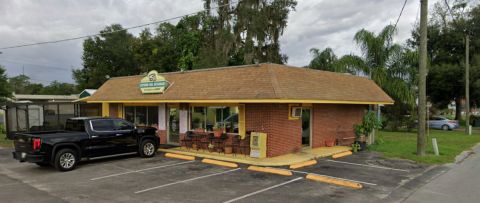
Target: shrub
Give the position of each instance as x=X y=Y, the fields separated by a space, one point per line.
x=472 y=118
x=3 y=129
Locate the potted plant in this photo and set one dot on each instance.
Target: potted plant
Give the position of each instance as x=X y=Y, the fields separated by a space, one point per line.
x=366 y=127
x=217 y=130
x=211 y=147
x=355 y=147
x=232 y=126
x=228 y=150
x=330 y=143
x=196 y=123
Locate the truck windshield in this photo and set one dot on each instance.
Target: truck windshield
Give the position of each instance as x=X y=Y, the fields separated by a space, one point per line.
x=75 y=125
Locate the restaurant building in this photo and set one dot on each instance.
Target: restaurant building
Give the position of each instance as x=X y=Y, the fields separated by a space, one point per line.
x=297 y=108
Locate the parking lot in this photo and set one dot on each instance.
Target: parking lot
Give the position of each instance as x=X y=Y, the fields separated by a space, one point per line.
x=163 y=179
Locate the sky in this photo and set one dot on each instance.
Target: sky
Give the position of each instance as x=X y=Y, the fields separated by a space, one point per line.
x=313 y=24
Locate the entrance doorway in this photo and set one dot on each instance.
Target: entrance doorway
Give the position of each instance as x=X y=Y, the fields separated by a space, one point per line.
x=173 y=135
x=306 y=128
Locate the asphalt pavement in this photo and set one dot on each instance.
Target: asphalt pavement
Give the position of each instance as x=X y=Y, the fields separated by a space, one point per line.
x=163 y=179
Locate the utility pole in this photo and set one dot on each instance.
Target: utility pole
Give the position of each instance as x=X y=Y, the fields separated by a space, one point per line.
x=422 y=79
x=467 y=85
x=23 y=69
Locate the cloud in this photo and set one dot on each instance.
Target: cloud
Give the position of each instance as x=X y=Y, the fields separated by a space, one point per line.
x=315 y=23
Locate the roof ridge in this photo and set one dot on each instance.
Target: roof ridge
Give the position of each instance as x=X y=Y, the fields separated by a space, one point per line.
x=196 y=70
x=274 y=81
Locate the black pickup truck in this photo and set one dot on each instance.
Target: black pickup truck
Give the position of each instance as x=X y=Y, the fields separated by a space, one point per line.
x=84 y=137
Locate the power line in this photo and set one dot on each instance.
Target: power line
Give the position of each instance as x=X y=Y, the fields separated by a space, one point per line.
x=416 y=16
x=75 y=38
x=395 y=27
x=18 y=59
x=400 y=15
x=30 y=65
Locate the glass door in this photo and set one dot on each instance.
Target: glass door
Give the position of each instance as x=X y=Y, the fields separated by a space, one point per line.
x=306 y=129
x=173 y=135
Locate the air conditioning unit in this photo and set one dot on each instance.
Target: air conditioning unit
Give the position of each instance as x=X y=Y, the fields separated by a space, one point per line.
x=296 y=112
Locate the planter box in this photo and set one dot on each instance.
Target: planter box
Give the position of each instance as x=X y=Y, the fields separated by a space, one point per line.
x=476 y=123
x=363 y=145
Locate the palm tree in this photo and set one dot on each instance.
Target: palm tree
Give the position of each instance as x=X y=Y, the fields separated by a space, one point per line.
x=389 y=65
x=325 y=60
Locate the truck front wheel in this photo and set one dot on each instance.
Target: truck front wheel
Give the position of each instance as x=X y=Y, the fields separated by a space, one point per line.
x=65 y=160
x=147 y=149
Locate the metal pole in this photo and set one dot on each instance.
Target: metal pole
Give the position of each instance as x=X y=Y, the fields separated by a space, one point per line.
x=7 y=123
x=467 y=91
x=428 y=121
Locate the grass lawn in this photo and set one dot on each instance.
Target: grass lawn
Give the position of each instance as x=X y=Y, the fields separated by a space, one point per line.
x=5 y=143
x=403 y=145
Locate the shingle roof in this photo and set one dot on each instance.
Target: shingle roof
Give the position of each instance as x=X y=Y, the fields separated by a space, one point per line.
x=268 y=81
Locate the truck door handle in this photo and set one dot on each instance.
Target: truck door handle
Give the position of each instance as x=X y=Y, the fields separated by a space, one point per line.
x=118 y=134
x=94 y=136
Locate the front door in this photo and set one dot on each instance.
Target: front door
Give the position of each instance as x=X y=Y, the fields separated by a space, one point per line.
x=306 y=128
x=101 y=142
x=173 y=135
x=125 y=136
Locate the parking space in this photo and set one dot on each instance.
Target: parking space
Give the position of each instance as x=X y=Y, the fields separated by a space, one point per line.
x=162 y=179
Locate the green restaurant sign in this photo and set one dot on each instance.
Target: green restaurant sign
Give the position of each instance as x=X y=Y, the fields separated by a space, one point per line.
x=152 y=83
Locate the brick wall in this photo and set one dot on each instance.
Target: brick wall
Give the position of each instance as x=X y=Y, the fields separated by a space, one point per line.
x=283 y=136
x=328 y=117
x=113 y=110
x=163 y=136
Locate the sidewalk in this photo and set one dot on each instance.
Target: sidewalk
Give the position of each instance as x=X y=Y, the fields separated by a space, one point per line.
x=459 y=184
x=288 y=159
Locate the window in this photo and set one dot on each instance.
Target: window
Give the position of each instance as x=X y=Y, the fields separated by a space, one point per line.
x=205 y=117
x=146 y=115
x=152 y=115
x=122 y=125
x=141 y=114
x=130 y=114
x=102 y=125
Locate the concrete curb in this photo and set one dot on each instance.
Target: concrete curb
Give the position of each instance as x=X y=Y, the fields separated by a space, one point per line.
x=342 y=154
x=300 y=165
x=270 y=170
x=220 y=163
x=178 y=156
x=334 y=181
x=462 y=156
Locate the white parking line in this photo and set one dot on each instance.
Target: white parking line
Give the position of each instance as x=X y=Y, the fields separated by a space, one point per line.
x=368 y=165
x=141 y=170
x=269 y=188
x=356 y=181
x=186 y=180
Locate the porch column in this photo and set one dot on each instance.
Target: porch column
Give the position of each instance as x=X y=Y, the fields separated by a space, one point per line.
x=105 y=109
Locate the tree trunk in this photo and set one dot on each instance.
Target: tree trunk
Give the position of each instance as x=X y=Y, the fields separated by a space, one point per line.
x=422 y=79
x=458 y=109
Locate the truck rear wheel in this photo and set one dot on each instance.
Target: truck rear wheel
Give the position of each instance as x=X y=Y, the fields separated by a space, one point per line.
x=65 y=160
x=147 y=149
